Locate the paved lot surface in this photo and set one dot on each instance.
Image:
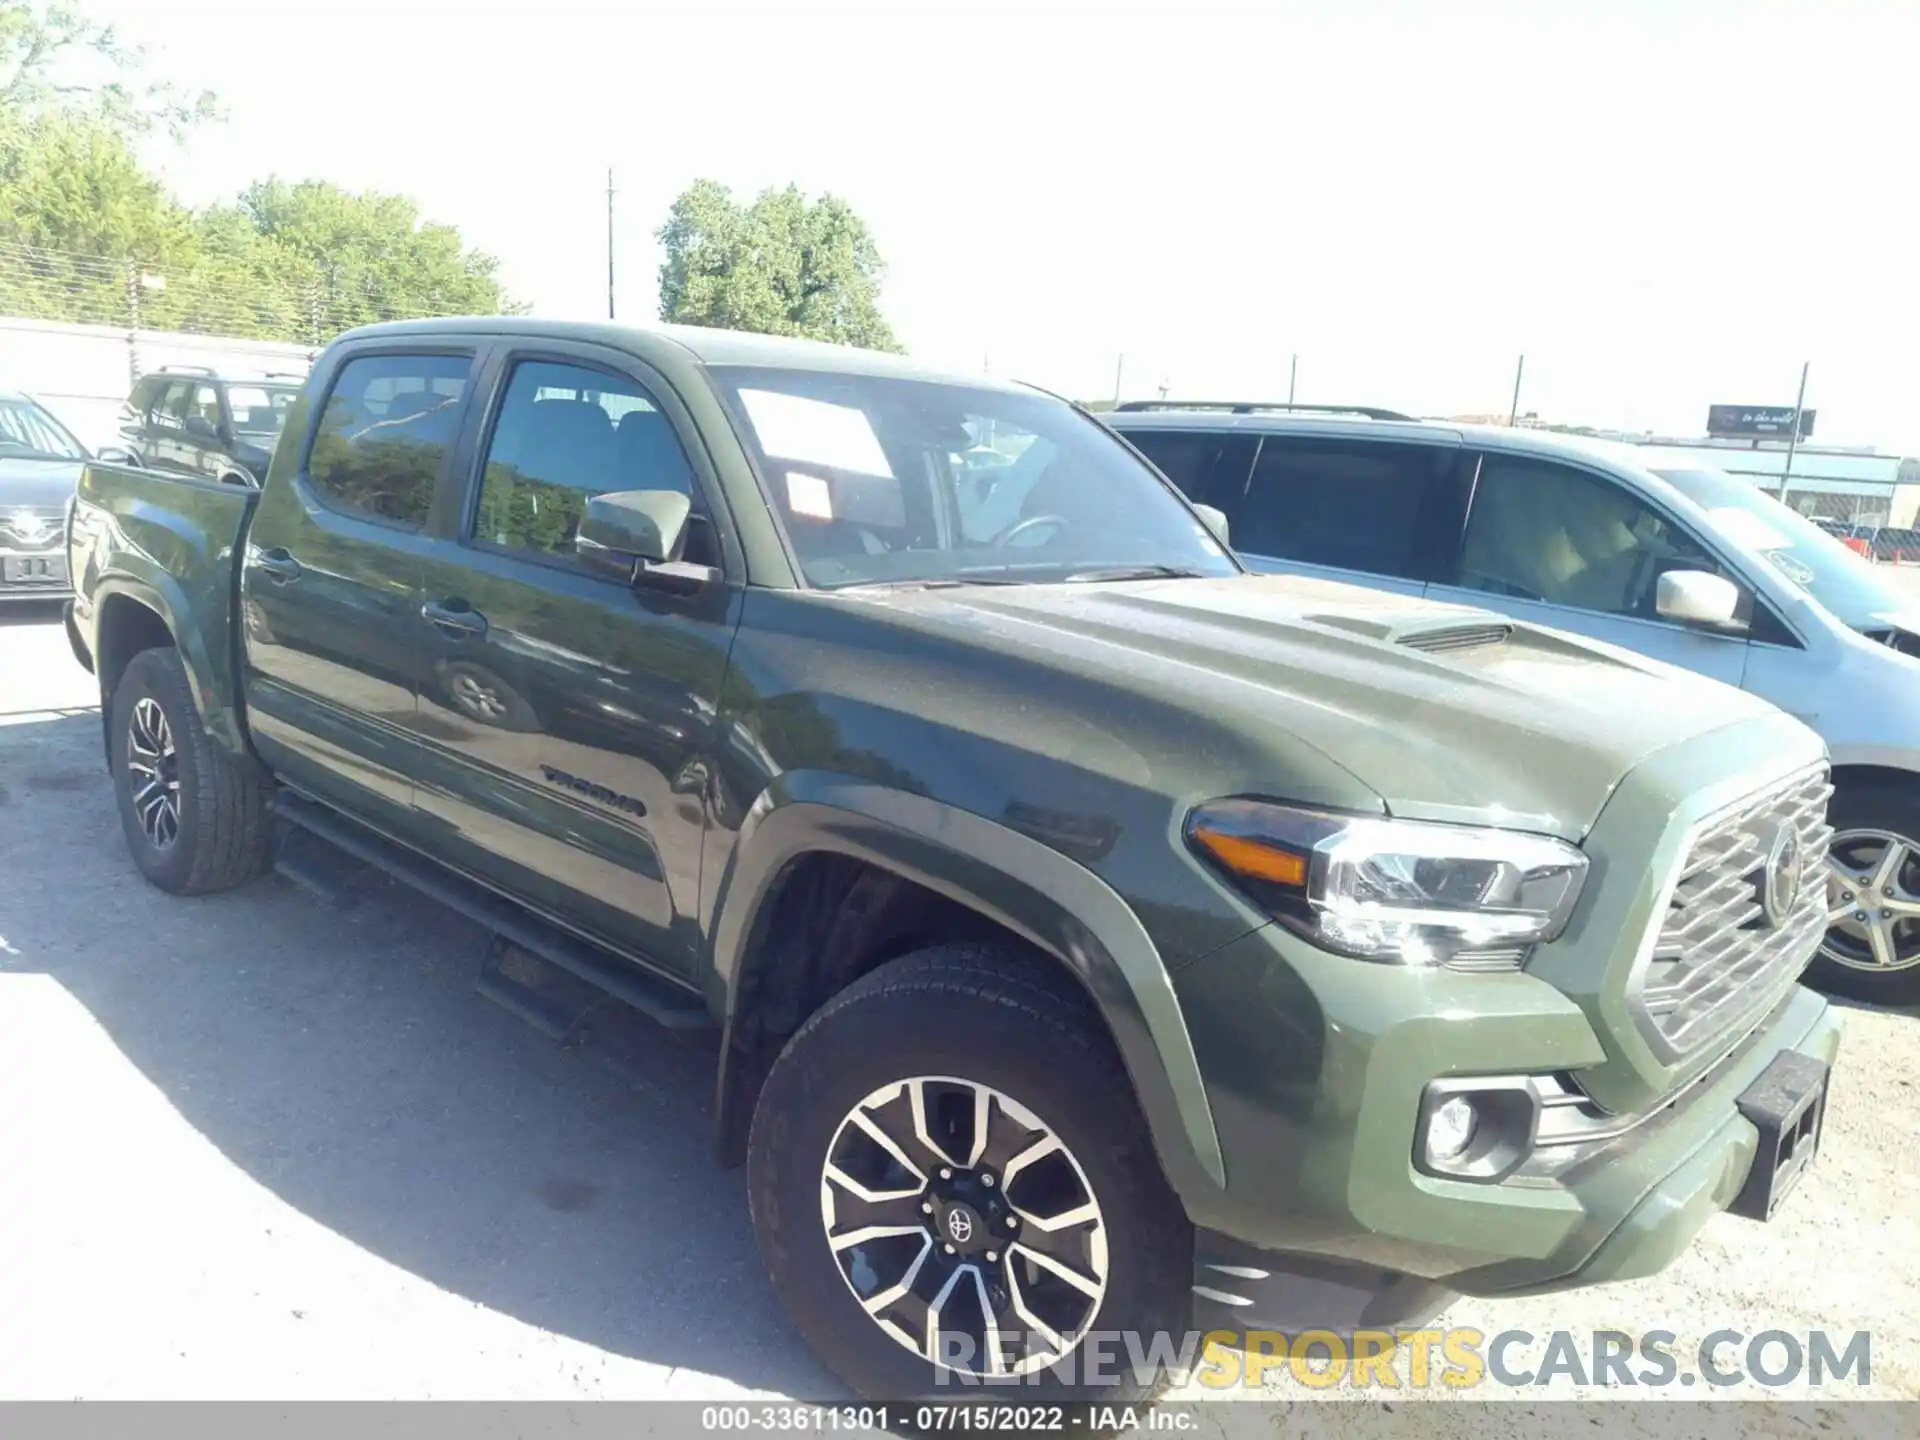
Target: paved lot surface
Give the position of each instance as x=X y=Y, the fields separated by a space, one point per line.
x=262 y=1146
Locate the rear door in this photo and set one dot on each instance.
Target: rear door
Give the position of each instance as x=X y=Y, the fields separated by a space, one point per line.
x=1577 y=550
x=1370 y=512
x=330 y=582
x=568 y=721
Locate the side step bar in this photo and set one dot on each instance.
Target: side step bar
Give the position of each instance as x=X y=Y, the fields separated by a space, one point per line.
x=626 y=982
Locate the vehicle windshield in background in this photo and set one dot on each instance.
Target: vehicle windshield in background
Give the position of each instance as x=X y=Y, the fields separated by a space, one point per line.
x=880 y=480
x=1811 y=558
x=29 y=433
x=260 y=409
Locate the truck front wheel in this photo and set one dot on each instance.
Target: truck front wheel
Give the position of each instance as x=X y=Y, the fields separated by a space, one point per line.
x=955 y=1194
x=195 y=815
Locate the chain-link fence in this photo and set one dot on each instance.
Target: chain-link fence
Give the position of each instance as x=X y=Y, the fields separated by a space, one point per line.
x=291 y=302
x=78 y=330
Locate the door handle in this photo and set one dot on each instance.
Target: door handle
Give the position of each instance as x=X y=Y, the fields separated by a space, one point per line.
x=455 y=617
x=277 y=564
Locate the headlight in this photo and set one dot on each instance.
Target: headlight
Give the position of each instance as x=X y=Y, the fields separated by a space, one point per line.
x=1397 y=890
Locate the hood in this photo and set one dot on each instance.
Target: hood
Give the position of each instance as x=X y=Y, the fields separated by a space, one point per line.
x=37 y=484
x=1445 y=712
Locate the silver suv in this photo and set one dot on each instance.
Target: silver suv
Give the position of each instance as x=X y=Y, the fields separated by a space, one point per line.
x=1685 y=565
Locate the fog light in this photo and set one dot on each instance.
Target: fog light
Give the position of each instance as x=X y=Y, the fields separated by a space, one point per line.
x=1450 y=1129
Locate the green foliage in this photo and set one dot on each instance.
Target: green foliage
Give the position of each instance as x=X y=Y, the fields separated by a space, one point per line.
x=53 y=60
x=371 y=254
x=528 y=514
x=88 y=234
x=779 y=266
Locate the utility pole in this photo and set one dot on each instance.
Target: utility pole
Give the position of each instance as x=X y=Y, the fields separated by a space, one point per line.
x=609 y=242
x=1293 y=374
x=1119 y=369
x=1513 y=411
x=1793 y=434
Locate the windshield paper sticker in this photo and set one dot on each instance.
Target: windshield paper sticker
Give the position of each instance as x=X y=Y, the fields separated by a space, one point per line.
x=794 y=427
x=809 y=496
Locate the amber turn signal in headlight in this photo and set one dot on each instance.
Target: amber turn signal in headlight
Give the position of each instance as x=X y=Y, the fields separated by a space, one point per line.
x=1397 y=890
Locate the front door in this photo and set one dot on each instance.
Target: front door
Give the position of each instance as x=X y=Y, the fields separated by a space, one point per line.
x=567 y=718
x=1567 y=548
x=330 y=582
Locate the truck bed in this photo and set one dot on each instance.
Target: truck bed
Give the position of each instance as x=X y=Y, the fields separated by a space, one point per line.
x=168 y=542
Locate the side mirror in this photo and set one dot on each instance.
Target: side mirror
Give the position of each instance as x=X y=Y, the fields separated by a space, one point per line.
x=1216 y=521
x=636 y=536
x=116 y=455
x=1694 y=597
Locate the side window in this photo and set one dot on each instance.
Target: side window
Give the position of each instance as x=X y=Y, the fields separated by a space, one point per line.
x=170 y=412
x=565 y=433
x=1540 y=531
x=384 y=435
x=1350 y=506
x=1183 y=456
x=205 y=404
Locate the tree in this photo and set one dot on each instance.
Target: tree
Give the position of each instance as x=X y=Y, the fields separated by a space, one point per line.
x=371 y=255
x=88 y=234
x=780 y=266
x=55 y=60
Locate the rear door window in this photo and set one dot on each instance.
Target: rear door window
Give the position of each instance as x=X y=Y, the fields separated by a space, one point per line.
x=1379 y=509
x=383 y=438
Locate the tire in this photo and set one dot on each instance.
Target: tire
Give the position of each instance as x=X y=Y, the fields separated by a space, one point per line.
x=974 y=1013
x=1868 y=817
x=220 y=829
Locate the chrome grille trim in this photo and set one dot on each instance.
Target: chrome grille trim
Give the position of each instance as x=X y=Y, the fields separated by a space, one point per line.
x=1709 y=965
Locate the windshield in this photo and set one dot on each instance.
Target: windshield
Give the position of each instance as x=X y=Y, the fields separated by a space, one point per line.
x=260 y=409
x=881 y=480
x=29 y=433
x=1753 y=521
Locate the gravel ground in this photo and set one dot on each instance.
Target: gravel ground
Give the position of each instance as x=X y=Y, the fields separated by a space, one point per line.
x=263 y=1146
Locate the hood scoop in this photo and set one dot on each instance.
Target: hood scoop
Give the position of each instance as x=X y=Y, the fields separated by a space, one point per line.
x=1458 y=637
x=1419 y=631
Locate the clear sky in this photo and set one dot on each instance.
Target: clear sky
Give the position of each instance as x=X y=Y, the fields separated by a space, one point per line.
x=1662 y=205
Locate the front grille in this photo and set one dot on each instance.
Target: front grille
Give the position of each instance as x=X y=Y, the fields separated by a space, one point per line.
x=32 y=527
x=1718 y=957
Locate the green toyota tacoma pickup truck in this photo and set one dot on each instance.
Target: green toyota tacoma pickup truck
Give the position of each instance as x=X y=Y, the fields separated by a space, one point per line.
x=1099 y=938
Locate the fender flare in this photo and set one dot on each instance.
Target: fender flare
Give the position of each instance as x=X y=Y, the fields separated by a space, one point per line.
x=161 y=593
x=1036 y=892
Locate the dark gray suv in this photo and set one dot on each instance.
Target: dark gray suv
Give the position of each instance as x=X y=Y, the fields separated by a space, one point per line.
x=192 y=420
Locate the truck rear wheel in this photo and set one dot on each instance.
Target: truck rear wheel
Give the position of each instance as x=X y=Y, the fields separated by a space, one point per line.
x=953 y=1187
x=195 y=815
x=1872 y=948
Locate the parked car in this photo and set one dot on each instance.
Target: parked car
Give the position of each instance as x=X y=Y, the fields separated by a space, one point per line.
x=1682 y=564
x=1894 y=545
x=1099 y=937
x=40 y=463
x=192 y=420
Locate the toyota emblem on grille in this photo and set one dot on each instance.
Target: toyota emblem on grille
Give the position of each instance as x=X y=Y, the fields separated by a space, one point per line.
x=28 y=527
x=1780 y=877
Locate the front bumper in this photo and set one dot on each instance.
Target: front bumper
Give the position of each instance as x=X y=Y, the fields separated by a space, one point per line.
x=1318 y=1129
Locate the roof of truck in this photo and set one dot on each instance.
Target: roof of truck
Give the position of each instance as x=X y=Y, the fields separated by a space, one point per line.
x=708 y=346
